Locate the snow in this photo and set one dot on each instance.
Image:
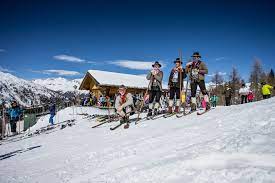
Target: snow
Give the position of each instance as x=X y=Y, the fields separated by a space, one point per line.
x=59 y=84
x=117 y=79
x=227 y=144
x=23 y=91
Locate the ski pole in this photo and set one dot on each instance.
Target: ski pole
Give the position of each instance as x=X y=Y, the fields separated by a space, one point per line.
x=186 y=89
x=180 y=53
x=142 y=104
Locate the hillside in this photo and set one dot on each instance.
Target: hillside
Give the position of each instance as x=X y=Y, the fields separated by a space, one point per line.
x=228 y=144
x=23 y=91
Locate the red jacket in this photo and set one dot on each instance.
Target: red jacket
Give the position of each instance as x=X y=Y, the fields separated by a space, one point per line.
x=250 y=96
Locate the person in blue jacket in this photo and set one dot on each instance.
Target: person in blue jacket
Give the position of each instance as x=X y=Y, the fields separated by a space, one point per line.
x=52 y=113
x=14 y=112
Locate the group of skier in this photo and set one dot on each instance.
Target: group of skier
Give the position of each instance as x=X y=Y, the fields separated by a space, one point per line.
x=196 y=69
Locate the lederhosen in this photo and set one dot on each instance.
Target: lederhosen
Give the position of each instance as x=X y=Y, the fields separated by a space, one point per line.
x=195 y=81
x=155 y=92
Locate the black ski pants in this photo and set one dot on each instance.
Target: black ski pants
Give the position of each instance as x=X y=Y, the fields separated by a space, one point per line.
x=154 y=94
x=266 y=96
x=214 y=104
x=243 y=99
x=195 y=84
x=174 y=91
x=13 y=122
x=227 y=101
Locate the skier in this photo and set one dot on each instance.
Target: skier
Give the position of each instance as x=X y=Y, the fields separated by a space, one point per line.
x=266 y=90
x=214 y=100
x=155 y=88
x=227 y=93
x=176 y=78
x=14 y=112
x=124 y=105
x=243 y=92
x=197 y=70
x=52 y=113
x=250 y=96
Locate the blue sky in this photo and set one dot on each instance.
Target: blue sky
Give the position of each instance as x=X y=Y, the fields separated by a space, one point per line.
x=41 y=39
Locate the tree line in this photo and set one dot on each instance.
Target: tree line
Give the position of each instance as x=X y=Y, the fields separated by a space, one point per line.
x=257 y=77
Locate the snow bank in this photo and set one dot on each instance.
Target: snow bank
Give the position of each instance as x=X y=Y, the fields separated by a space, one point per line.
x=227 y=144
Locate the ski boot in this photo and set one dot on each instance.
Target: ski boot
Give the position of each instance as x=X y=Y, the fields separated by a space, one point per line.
x=169 y=110
x=193 y=107
x=208 y=106
x=156 y=112
x=177 y=109
x=149 y=113
x=126 y=119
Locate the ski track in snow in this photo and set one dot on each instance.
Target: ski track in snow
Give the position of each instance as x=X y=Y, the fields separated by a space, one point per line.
x=228 y=144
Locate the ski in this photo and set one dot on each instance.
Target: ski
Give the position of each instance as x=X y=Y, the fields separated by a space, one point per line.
x=169 y=115
x=137 y=121
x=184 y=114
x=181 y=114
x=100 y=124
x=115 y=127
x=203 y=112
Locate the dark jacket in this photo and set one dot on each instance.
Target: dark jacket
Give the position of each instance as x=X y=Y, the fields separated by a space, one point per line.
x=201 y=66
x=228 y=92
x=52 y=109
x=158 y=77
x=177 y=85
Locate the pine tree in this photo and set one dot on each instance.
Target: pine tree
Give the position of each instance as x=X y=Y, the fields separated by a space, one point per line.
x=217 y=79
x=257 y=76
x=235 y=84
x=271 y=78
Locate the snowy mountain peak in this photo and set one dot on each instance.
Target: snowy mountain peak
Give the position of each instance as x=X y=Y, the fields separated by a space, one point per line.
x=23 y=91
x=59 y=84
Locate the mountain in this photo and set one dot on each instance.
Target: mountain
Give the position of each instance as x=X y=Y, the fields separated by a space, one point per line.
x=228 y=144
x=23 y=91
x=59 y=84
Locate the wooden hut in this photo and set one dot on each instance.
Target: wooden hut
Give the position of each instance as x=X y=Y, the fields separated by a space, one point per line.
x=107 y=83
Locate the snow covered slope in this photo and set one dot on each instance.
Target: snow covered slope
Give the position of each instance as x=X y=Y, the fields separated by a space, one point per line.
x=23 y=91
x=228 y=144
x=59 y=84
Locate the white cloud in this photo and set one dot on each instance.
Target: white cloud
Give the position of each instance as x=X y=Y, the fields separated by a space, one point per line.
x=136 y=65
x=63 y=72
x=220 y=73
x=2 y=69
x=69 y=58
x=2 y=50
x=220 y=58
x=58 y=72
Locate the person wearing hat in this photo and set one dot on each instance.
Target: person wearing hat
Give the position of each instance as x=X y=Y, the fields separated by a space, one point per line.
x=266 y=90
x=176 y=78
x=197 y=70
x=14 y=113
x=227 y=94
x=155 y=88
x=52 y=112
x=243 y=92
x=124 y=104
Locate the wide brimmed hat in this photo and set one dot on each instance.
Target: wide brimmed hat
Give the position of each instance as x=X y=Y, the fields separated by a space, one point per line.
x=156 y=63
x=196 y=54
x=122 y=87
x=178 y=60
